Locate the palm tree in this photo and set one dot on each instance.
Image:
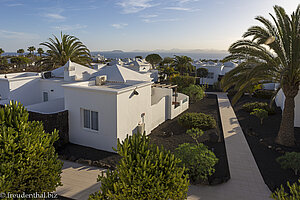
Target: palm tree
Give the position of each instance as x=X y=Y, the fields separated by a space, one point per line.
x=272 y=55
x=31 y=49
x=68 y=48
x=165 y=67
x=40 y=51
x=183 y=64
x=1 y=51
x=20 y=51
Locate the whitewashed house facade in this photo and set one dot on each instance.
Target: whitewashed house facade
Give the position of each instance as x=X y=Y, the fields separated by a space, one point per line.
x=99 y=112
x=215 y=70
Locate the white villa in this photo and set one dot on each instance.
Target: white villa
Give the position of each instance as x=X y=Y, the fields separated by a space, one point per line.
x=143 y=67
x=215 y=70
x=103 y=105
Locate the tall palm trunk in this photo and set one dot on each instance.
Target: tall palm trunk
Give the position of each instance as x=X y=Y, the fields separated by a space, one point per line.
x=286 y=132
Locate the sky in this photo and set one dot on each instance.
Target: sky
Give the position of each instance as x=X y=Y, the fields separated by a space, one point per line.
x=130 y=25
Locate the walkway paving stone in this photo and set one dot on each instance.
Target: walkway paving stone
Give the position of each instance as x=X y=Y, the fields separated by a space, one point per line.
x=79 y=181
x=246 y=182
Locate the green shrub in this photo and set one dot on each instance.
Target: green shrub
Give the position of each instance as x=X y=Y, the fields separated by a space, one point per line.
x=28 y=162
x=183 y=81
x=294 y=193
x=195 y=92
x=290 y=160
x=198 y=159
x=197 y=120
x=195 y=133
x=260 y=113
x=249 y=107
x=263 y=94
x=144 y=172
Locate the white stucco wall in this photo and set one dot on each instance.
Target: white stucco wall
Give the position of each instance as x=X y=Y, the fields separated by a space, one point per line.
x=25 y=90
x=130 y=108
x=183 y=105
x=4 y=88
x=53 y=87
x=102 y=102
x=158 y=93
x=211 y=69
x=159 y=112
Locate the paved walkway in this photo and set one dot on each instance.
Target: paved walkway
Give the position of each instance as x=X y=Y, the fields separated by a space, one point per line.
x=79 y=181
x=246 y=182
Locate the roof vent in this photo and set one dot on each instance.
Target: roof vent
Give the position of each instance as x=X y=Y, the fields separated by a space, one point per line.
x=100 y=80
x=46 y=75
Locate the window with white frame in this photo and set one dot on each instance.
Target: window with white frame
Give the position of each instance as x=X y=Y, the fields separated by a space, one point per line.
x=90 y=119
x=45 y=96
x=210 y=75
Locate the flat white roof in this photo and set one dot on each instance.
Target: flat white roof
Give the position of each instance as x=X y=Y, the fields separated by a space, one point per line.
x=108 y=86
x=19 y=75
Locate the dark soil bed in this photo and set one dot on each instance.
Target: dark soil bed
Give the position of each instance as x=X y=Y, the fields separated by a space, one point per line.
x=170 y=134
x=261 y=141
x=87 y=155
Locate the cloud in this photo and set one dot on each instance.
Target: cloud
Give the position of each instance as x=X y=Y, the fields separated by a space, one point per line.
x=159 y=20
x=119 y=26
x=148 y=16
x=55 y=16
x=177 y=8
x=186 y=1
x=17 y=35
x=90 y=7
x=134 y=6
x=70 y=27
x=14 y=4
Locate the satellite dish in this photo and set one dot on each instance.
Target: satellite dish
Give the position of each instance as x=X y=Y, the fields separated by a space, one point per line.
x=270 y=40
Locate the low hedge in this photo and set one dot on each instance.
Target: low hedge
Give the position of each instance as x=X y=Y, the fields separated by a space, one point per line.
x=263 y=94
x=249 y=107
x=197 y=120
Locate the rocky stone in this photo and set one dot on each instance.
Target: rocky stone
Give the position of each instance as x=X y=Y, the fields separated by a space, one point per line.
x=72 y=158
x=84 y=162
x=278 y=149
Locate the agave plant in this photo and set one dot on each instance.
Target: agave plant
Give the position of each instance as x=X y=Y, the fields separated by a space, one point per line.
x=68 y=48
x=270 y=54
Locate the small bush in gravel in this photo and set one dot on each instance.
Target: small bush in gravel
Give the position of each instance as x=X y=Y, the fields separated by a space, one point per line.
x=195 y=133
x=144 y=172
x=290 y=160
x=198 y=160
x=197 y=120
x=293 y=194
x=249 y=107
x=260 y=113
